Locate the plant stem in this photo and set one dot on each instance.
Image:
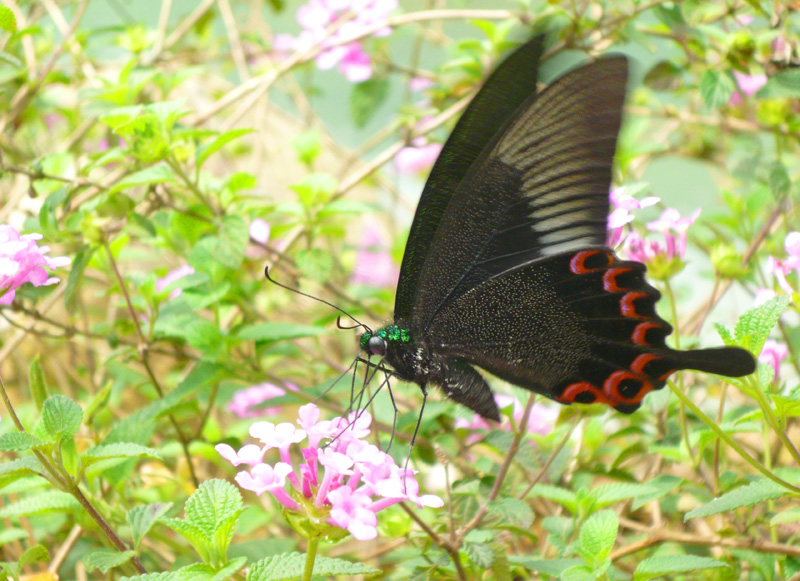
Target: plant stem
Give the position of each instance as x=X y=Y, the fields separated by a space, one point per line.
x=311 y=556
x=730 y=441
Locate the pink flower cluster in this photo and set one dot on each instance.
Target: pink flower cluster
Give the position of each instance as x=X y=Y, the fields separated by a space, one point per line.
x=374 y=265
x=779 y=268
x=540 y=420
x=23 y=260
x=772 y=353
x=418 y=157
x=621 y=215
x=748 y=85
x=316 y=16
x=244 y=401
x=346 y=480
x=171 y=277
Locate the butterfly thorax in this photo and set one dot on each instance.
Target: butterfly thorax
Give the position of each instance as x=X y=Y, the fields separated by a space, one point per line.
x=408 y=357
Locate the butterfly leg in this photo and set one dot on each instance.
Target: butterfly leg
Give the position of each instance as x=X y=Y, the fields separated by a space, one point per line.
x=416 y=430
x=396 y=411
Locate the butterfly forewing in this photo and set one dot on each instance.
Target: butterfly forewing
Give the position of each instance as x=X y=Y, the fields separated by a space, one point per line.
x=539 y=187
x=504 y=91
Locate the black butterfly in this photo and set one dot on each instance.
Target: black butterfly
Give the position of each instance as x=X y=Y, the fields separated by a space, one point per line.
x=506 y=266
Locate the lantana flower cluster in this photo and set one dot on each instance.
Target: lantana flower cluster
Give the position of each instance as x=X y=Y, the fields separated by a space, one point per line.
x=663 y=258
x=341 y=482
x=249 y=402
x=317 y=16
x=23 y=260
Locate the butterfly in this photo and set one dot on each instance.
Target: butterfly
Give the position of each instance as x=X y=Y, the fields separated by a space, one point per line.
x=506 y=267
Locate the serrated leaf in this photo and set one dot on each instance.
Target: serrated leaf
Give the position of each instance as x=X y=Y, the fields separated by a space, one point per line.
x=513 y=511
x=20 y=467
x=549 y=567
x=194 y=572
x=564 y=497
x=82 y=259
x=194 y=534
x=8 y=21
x=716 y=88
x=142 y=518
x=606 y=494
x=220 y=141
x=653 y=567
x=229 y=570
x=214 y=501
x=598 y=535
x=784 y=84
x=779 y=181
x=19 y=442
x=753 y=493
x=278 y=332
x=120 y=450
x=578 y=573
x=366 y=98
x=61 y=417
x=755 y=325
x=479 y=553
x=289 y=566
x=50 y=501
x=106 y=560
x=724 y=334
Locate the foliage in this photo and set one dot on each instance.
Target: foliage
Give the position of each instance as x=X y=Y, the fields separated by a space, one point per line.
x=171 y=156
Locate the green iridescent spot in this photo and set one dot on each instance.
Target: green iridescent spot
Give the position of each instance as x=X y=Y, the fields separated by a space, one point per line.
x=365 y=340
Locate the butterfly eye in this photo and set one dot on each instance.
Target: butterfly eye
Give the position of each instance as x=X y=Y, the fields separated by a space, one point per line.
x=377 y=346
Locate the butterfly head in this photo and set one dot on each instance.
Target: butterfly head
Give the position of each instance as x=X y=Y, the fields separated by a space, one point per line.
x=377 y=343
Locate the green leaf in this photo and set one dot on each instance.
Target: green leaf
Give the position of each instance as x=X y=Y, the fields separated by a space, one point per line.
x=784 y=84
x=79 y=264
x=512 y=510
x=8 y=21
x=598 y=535
x=564 y=497
x=315 y=263
x=50 y=501
x=195 y=535
x=212 y=502
x=663 y=565
x=233 y=238
x=155 y=174
x=205 y=151
x=61 y=417
x=755 y=325
x=229 y=570
x=549 y=567
x=15 y=469
x=142 y=518
x=288 y=566
x=19 y=442
x=307 y=145
x=716 y=88
x=278 y=332
x=119 y=450
x=105 y=560
x=36 y=383
x=34 y=554
x=480 y=553
x=194 y=572
x=725 y=335
x=314 y=189
x=787 y=516
x=366 y=98
x=755 y=492
x=606 y=494
x=203 y=375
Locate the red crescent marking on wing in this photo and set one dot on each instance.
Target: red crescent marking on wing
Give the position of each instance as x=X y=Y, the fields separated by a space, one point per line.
x=610 y=279
x=574 y=389
x=577 y=265
x=611 y=387
x=641 y=362
x=626 y=306
x=639 y=335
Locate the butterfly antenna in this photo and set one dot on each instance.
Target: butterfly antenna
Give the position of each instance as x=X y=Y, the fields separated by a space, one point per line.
x=323 y=301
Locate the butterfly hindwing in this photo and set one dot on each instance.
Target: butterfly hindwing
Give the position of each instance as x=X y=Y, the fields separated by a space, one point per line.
x=540 y=187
